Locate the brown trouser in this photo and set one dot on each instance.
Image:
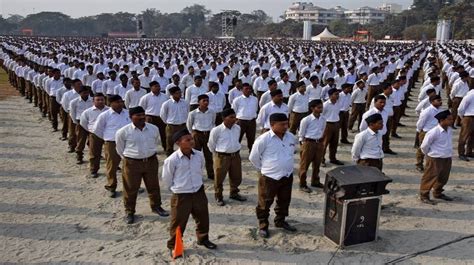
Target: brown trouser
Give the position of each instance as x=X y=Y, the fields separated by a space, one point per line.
x=158 y=122
x=54 y=105
x=40 y=99
x=72 y=140
x=397 y=115
x=373 y=91
x=312 y=152
x=112 y=161
x=448 y=95
x=29 y=91
x=471 y=83
x=295 y=120
x=170 y=130
x=377 y=163
x=344 y=124
x=133 y=173
x=436 y=175
x=35 y=95
x=184 y=204
x=419 y=154
x=81 y=135
x=46 y=105
x=357 y=111
x=268 y=189
x=456 y=103
x=386 y=136
x=466 y=136
x=249 y=128
x=331 y=138
x=200 y=143
x=22 y=85
x=223 y=164
x=95 y=152
x=65 y=119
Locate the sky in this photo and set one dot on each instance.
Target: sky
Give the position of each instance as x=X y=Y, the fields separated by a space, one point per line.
x=78 y=8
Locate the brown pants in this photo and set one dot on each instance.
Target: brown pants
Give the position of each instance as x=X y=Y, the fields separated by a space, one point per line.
x=456 y=103
x=182 y=205
x=357 y=111
x=344 y=124
x=112 y=161
x=466 y=136
x=312 y=152
x=72 y=140
x=40 y=99
x=170 y=130
x=436 y=175
x=397 y=115
x=95 y=152
x=81 y=135
x=377 y=163
x=65 y=120
x=46 y=106
x=249 y=128
x=268 y=189
x=419 y=154
x=295 y=120
x=35 y=95
x=373 y=91
x=200 y=143
x=331 y=138
x=54 y=105
x=223 y=164
x=133 y=173
x=29 y=91
x=158 y=122
x=386 y=136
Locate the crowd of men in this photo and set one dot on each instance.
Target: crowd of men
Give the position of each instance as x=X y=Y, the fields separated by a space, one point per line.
x=128 y=97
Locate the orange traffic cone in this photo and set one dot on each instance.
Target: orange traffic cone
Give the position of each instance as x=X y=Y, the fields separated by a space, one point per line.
x=178 y=245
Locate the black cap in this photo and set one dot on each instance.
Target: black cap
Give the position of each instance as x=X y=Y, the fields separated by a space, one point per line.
x=314 y=103
x=276 y=92
x=83 y=89
x=227 y=112
x=442 y=115
x=278 y=117
x=301 y=83
x=177 y=135
x=332 y=91
x=174 y=90
x=203 y=96
x=434 y=97
x=113 y=98
x=136 y=110
x=374 y=118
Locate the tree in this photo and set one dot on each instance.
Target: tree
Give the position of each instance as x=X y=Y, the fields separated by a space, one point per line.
x=342 y=28
x=462 y=18
x=48 y=23
x=420 y=32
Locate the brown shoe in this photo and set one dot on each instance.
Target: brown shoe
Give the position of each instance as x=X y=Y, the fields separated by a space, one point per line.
x=427 y=201
x=443 y=197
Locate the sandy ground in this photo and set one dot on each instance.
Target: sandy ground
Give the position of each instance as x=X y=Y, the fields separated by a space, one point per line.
x=50 y=212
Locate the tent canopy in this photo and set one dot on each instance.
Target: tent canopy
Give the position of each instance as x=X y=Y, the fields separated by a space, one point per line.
x=325 y=35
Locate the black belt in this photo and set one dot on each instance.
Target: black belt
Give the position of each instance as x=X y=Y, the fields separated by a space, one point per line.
x=142 y=159
x=332 y=122
x=197 y=131
x=229 y=154
x=109 y=141
x=312 y=140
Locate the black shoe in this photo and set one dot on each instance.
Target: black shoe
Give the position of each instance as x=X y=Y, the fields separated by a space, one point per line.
x=405 y=115
x=55 y=129
x=207 y=244
x=401 y=125
x=112 y=193
x=80 y=162
x=427 y=201
x=443 y=197
x=464 y=158
x=141 y=190
x=238 y=197
x=119 y=169
x=396 y=136
x=345 y=142
x=129 y=219
x=94 y=175
x=305 y=189
x=470 y=155
x=286 y=226
x=264 y=233
x=317 y=185
x=71 y=150
x=420 y=169
x=220 y=202
x=210 y=177
x=63 y=138
x=390 y=152
x=454 y=127
x=160 y=211
x=337 y=162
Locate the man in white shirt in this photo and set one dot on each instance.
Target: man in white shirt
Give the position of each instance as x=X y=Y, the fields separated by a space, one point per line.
x=224 y=143
x=105 y=127
x=194 y=91
x=77 y=107
x=145 y=79
x=466 y=136
x=200 y=122
x=97 y=84
x=87 y=121
x=274 y=106
x=298 y=106
x=345 y=102
x=273 y=156
x=133 y=96
x=182 y=174
x=358 y=104
x=136 y=144
x=331 y=111
x=122 y=88
x=437 y=146
x=312 y=148
x=458 y=91
x=152 y=103
x=260 y=84
x=367 y=147
x=174 y=112
x=246 y=107
x=65 y=102
x=217 y=100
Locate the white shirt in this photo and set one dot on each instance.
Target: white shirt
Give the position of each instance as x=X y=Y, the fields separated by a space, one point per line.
x=438 y=143
x=224 y=140
x=201 y=121
x=67 y=97
x=314 y=93
x=135 y=143
x=181 y=174
x=466 y=108
x=162 y=80
x=77 y=106
x=331 y=111
x=367 y=145
x=345 y=101
x=284 y=87
x=261 y=84
x=371 y=111
x=312 y=127
x=265 y=98
x=108 y=86
x=234 y=93
x=216 y=101
x=132 y=97
x=298 y=102
x=272 y=156
x=109 y=122
x=263 y=118
x=425 y=103
x=152 y=103
x=96 y=86
x=193 y=92
x=145 y=80
x=89 y=116
x=174 y=112
x=460 y=89
x=245 y=107
x=427 y=119
x=121 y=90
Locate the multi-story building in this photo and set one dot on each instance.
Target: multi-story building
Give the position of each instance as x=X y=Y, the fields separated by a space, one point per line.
x=391 y=8
x=364 y=15
x=304 y=11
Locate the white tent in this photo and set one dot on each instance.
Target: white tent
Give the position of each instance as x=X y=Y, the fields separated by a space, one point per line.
x=325 y=35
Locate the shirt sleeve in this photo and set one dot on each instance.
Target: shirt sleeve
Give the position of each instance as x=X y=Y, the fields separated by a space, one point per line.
x=302 y=131
x=425 y=145
x=143 y=102
x=168 y=173
x=357 y=147
x=291 y=102
x=255 y=156
x=84 y=120
x=190 y=121
x=72 y=109
x=164 y=112
x=120 y=141
x=99 y=126
x=464 y=105
x=212 y=139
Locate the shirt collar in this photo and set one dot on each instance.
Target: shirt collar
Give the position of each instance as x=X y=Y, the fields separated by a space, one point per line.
x=371 y=132
x=180 y=153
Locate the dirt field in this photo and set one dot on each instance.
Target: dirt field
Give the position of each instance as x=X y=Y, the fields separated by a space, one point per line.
x=50 y=212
